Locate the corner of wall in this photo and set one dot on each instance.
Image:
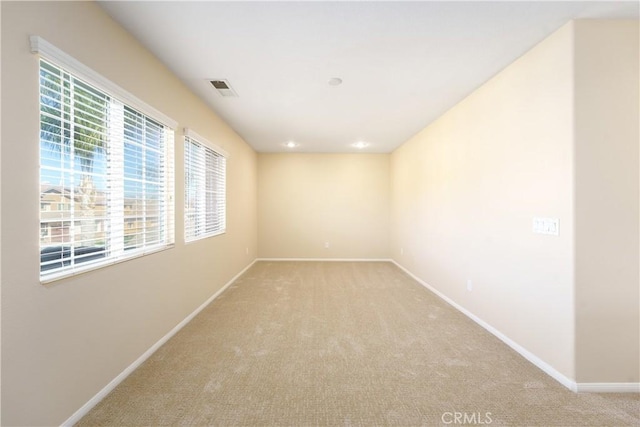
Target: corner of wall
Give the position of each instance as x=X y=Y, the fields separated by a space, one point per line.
x=607 y=187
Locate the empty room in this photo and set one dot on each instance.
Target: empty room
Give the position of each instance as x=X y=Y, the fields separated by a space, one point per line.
x=320 y=213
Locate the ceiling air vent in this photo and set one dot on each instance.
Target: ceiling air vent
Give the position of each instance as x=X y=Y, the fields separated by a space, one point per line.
x=224 y=88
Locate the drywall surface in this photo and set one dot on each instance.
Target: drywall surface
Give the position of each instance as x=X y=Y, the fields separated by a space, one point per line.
x=465 y=191
x=606 y=201
x=63 y=342
x=310 y=200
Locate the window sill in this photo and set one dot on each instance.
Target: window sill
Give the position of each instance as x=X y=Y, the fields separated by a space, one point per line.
x=205 y=236
x=91 y=266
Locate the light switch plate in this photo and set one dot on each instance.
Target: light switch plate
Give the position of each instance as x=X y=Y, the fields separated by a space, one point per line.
x=550 y=226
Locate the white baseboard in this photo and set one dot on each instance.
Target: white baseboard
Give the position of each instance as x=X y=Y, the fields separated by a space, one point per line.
x=608 y=388
x=328 y=259
x=551 y=371
x=544 y=366
x=73 y=419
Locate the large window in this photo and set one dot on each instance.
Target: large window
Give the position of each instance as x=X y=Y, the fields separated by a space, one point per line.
x=106 y=176
x=204 y=193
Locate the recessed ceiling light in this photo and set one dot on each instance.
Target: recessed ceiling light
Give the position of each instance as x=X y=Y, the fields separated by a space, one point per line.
x=335 y=81
x=291 y=144
x=360 y=145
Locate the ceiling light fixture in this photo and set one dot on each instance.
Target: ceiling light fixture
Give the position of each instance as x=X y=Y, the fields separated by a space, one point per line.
x=360 y=145
x=335 y=81
x=291 y=144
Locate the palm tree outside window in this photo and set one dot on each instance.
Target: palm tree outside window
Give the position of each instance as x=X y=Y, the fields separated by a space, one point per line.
x=97 y=155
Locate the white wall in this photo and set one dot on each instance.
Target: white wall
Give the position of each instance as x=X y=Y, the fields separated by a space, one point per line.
x=308 y=199
x=63 y=342
x=465 y=191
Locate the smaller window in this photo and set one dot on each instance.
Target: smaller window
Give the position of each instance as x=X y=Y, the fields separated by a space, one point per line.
x=205 y=188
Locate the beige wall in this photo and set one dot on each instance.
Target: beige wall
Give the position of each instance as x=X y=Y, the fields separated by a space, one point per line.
x=308 y=199
x=550 y=136
x=465 y=191
x=606 y=201
x=63 y=342
x=555 y=134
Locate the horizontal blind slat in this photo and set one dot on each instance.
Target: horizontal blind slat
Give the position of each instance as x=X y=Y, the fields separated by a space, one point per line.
x=204 y=202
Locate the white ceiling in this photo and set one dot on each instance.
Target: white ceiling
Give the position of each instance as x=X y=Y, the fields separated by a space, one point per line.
x=403 y=64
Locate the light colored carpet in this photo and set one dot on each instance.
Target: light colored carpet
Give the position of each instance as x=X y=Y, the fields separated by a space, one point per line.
x=343 y=344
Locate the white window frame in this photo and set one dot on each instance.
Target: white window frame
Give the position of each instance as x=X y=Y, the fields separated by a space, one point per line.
x=58 y=58
x=198 y=230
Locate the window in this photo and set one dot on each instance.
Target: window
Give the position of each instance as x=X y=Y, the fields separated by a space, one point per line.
x=103 y=163
x=204 y=192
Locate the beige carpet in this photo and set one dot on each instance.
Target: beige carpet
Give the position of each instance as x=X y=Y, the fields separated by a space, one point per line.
x=343 y=344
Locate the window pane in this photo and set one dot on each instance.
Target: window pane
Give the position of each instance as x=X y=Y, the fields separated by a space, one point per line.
x=72 y=202
x=204 y=191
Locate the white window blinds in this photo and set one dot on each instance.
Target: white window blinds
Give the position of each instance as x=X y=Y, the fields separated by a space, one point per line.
x=106 y=177
x=205 y=188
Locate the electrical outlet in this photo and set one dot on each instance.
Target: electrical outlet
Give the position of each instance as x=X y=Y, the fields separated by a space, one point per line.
x=326 y=245
x=247 y=251
x=401 y=251
x=469 y=285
